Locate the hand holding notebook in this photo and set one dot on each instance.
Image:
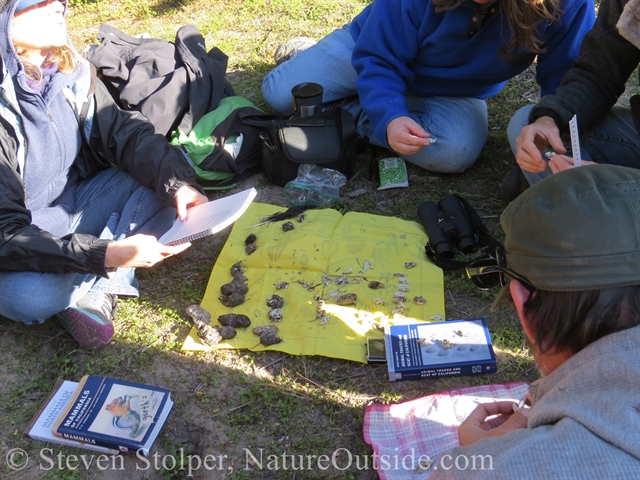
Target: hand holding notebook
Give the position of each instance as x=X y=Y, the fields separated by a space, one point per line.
x=208 y=218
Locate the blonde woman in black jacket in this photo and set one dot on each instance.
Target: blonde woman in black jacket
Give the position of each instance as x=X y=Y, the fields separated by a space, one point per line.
x=85 y=188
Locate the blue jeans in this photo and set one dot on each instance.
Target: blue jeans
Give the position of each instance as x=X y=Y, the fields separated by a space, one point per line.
x=459 y=124
x=614 y=140
x=110 y=205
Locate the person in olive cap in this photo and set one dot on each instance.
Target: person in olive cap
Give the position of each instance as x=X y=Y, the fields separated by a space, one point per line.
x=573 y=272
x=85 y=188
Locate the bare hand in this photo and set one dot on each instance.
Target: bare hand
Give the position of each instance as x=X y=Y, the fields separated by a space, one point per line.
x=558 y=163
x=476 y=426
x=533 y=139
x=405 y=136
x=188 y=197
x=139 y=251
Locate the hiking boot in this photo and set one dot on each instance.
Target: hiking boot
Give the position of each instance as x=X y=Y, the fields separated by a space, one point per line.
x=291 y=48
x=89 y=322
x=513 y=185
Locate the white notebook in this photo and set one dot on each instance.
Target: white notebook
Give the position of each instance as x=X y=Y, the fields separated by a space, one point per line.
x=209 y=218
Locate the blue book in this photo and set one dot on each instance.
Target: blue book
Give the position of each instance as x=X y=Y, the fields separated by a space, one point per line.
x=115 y=414
x=439 y=349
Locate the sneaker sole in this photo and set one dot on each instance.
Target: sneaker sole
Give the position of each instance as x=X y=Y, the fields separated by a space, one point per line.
x=87 y=329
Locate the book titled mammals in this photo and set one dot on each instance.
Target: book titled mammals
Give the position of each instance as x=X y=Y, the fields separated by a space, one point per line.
x=114 y=414
x=439 y=349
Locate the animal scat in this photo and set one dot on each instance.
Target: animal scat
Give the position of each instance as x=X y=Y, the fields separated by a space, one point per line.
x=198 y=314
x=260 y=329
x=227 y=332
x=208 y=334
x=275 y=301
x=234 y=287
x=232 y=300
x=236 y=268
x=419 y=300
x=287 y=226
x=236 y=320
x=347 y=299
x=269 y=338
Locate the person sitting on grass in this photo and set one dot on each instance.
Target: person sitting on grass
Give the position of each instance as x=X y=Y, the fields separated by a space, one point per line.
x=415 y=74
x=86 y=188
x=609 y=133
x=573 y=256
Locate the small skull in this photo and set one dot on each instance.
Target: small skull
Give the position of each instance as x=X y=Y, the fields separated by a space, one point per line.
x=403 y=280
x=275 y=315
x=379 y=301
x=287 y=226
x=347 y=299
x=418 y=300
x=403 y=288
x=375 y=285
x=282 y=285
x=275 y=301
x=410 y=264
x=300 y=218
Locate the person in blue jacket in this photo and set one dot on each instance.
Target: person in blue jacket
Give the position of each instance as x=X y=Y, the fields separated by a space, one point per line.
x=415 y=73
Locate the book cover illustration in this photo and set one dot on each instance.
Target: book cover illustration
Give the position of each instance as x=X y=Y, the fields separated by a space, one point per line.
x=128 y=413
x=455 y=347
x=114 y=413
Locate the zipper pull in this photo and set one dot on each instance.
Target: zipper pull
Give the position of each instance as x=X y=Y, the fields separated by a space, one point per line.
x=264 y=136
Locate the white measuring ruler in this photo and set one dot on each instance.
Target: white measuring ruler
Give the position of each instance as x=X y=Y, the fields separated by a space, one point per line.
x=575 y=141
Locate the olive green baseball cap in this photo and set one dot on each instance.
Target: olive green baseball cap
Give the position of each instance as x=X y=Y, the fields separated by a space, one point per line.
x=576 y=230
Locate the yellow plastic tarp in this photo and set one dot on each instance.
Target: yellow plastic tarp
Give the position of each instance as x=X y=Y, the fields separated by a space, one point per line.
x=321 y=251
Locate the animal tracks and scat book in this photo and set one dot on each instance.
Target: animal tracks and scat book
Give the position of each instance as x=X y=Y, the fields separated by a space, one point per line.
x=439 y=349
x=209 y=218
x=103 y=414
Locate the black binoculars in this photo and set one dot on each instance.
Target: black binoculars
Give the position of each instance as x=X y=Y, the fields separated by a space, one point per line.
x=446 y=222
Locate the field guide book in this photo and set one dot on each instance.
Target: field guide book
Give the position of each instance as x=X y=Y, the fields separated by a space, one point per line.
x=103 y=414
x=39 y=428
x=209 y=218
x=439 y=349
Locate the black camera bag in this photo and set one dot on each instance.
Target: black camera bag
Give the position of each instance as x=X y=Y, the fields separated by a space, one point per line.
x=326 y=139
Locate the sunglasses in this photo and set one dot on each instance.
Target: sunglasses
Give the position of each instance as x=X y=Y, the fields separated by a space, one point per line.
x=487 y=272
x=45 y=3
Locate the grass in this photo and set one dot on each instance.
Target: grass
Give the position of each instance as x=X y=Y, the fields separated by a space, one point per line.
x=231 y=402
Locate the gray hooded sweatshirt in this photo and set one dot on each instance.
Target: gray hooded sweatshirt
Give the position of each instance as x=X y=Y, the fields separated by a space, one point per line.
x=584 y=423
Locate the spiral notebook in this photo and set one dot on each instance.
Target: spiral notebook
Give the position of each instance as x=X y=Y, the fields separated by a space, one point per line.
x=209 y=218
